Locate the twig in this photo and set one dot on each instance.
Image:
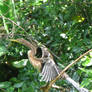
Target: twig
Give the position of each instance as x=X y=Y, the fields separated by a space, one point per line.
x=43 y=88
x=13 y=22
x=67 y=67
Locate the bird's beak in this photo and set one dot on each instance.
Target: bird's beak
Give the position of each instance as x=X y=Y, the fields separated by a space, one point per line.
x=15 y=40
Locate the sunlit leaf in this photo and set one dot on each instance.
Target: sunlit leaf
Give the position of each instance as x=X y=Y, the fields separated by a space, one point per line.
x=20 y=64
x=86 y=82
x=87 y=71
x=90 y=54
x=5 y=84
x=87 y=62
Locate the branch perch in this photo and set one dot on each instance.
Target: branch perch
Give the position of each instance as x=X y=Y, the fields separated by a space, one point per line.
x=67 y=67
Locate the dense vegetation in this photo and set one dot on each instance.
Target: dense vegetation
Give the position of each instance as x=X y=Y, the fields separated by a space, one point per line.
x=64 y=26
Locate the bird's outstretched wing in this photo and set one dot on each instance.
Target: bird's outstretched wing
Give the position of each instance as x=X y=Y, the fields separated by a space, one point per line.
x=49 y=71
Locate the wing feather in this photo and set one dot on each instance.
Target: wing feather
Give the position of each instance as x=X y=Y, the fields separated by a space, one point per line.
x=49 y=71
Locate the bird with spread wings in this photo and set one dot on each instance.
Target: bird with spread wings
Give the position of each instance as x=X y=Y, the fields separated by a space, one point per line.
x=46 y=64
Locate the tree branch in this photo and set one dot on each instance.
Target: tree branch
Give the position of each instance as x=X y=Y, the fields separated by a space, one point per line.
x=63 y=71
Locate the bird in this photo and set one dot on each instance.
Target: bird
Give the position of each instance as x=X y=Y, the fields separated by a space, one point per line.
x=45 y=64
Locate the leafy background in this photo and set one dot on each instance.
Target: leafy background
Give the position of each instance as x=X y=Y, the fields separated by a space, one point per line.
x=64 y=26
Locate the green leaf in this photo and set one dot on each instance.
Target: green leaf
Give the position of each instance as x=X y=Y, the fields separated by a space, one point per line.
x=90 y=54
x=14 y=80
x=5 y=84
x=86 y=82
x=87 y=71
x=10 y=89
x=20 y=64
x=30 y=88
x=4 y=7
x=3 y=50
x=18 y=85
x=87 y=61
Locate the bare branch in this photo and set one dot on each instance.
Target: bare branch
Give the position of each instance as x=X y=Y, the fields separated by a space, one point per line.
x=67 y=67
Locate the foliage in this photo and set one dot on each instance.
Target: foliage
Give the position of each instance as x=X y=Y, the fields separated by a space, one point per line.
x=64 y=26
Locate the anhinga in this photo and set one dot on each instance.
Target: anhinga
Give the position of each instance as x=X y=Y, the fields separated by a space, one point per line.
x=46 y=65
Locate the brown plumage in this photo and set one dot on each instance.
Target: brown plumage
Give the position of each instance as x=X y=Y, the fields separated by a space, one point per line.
x=46 y=65
x=34 y=61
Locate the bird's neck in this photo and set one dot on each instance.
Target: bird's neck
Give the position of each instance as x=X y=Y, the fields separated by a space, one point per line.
x=36 y=62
